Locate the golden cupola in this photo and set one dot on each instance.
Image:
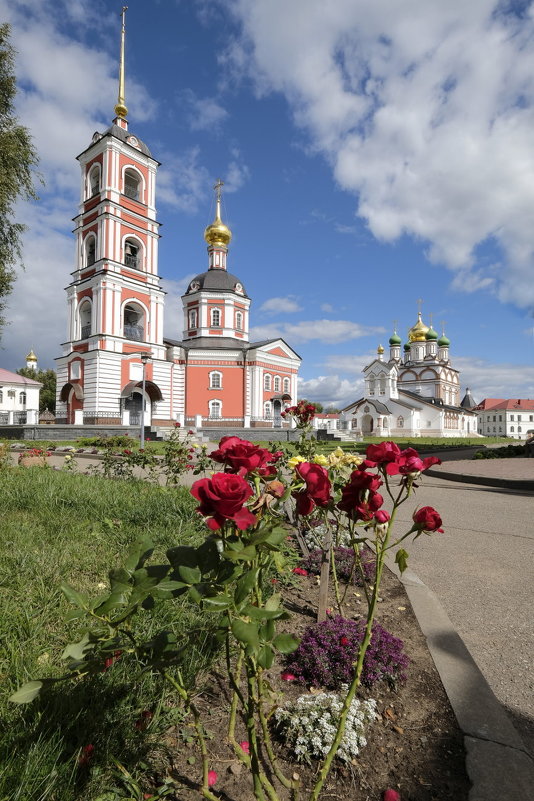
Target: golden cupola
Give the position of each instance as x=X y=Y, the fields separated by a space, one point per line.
x=417 y=332
x=218 y=234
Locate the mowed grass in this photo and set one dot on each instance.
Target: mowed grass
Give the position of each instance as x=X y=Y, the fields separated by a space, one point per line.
x=65 y=527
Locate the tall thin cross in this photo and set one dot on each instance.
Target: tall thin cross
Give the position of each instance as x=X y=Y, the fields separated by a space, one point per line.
x=120 y=108
x=218 y=186
x=443 y=327
x=395 y=326
x=419 y=304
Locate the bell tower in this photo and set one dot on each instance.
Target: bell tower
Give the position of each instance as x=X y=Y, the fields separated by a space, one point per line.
x=115 y=302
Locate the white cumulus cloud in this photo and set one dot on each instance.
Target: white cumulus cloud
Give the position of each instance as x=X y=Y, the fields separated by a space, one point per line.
x=424 y=110
x=328 y=331
x=279 y=306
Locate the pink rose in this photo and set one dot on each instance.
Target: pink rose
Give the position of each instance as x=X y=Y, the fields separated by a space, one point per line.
x=212 y=777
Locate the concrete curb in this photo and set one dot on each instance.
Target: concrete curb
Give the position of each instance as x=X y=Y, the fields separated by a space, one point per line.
x=488 y=481
x=497 y=762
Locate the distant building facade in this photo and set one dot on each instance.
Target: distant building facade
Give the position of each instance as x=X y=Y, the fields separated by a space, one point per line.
x=19 y=399
x=497 y=417
x=413 y=394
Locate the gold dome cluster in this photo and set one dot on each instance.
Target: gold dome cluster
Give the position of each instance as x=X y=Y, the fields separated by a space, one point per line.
x=417 y=332
x=218 y=234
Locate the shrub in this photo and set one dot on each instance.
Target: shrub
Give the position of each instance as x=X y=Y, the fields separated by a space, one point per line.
x=506 y=452
x=328 y=650
x=309 y=724
x=344 y=558
x=116 y=441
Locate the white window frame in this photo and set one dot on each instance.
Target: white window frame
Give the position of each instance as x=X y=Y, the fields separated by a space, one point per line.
x=213 y=311
x=91 y=236
x=140 y=182
x=192 y=317
x=286 y=383
x=94 y=168
x=268 y=410
x=400 y=421
x=215 y=403
x=23 y=398
x=239 y=321
x=267 y=382
x=276 y=383
x=216 y=379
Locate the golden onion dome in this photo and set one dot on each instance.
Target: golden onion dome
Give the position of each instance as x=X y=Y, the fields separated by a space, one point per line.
x=417 y=332
x=380 y=349
x=218 y=234
x=31 y=357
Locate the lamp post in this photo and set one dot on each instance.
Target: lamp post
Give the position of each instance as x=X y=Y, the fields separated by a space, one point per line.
x=145 y=356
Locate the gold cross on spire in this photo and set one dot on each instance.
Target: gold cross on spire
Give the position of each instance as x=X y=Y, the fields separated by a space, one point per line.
x=218 y=186
x=120 y=108
x=419 y=304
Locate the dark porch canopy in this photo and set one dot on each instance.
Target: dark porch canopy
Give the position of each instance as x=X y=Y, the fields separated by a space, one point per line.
x=152 y=390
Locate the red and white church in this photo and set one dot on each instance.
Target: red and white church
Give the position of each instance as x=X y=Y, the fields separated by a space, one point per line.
x=213 y=376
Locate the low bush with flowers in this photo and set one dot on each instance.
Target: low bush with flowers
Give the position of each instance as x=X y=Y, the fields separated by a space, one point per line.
x=344 y=563
x=246 y=508
x=327 y=651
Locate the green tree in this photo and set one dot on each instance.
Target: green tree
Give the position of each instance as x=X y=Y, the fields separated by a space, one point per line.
x=17 y=162
x=318 y=406
x=47 y=398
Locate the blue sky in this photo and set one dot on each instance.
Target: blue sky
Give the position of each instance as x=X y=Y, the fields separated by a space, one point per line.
x=373 y=154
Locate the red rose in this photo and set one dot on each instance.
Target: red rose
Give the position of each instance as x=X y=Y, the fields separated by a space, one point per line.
x=243 y=456
x=382 y=516
x=427 y=519
x=222 y=497
x=299 y=571
x=359 y=498
x=343 y=641
x=383 y=452
x=409 y=462
x=317 y=492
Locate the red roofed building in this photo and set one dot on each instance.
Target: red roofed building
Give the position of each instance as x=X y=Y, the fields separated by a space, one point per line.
x=498 y=417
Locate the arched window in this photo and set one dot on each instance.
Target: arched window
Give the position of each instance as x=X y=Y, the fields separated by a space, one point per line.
x=511 y=429
x=22 y=399
x=268 y=410
x=1 y=396
x=132 y=254
x=132 y=185
x=267 y=382
x=193 y=318
x=400 y=422
x=287 y=385
x=85 y=319
x=134 y=322
x=372 y=382
x=276 y=384
x=216 y=318
x=90 y=249
x=382 y=384
x=215 y=407
x=239 y=321
x=93 y=186
x=215 y=380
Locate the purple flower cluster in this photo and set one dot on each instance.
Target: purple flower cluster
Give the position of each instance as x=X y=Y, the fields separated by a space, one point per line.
x=344 y=563
x=328 y=650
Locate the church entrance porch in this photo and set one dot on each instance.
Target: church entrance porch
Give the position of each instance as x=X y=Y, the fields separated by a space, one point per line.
x=367 y=424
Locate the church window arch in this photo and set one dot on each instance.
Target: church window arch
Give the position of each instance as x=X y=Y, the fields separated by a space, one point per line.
x=134 y=320
x=133 y=252
x=512 y=429
x=400 y=421
x=239 y=321
x=22 y=399
x=215 y=409
x=215 y=318
x=93 y=181
x=267 y=382
x=1 y=396
x=382 y=384
x=89 y=249
x=276 y=383
x=192 y=318
x=268 y=410
x=85 y=313
x=372 y=384
x=215 y=380
x=133 y=184
x=287 y=385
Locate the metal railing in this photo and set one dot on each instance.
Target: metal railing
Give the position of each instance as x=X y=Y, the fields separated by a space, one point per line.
x=86 y=331
x=96 y=417
x=4 y=418
x=131 y=261
x=135 y=418
x=20 y=418
x=61 y=420
x=133 y=332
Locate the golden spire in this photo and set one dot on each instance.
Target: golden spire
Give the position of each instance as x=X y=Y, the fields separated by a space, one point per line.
x=418 y=331
x=218 y=234
x=120 y=108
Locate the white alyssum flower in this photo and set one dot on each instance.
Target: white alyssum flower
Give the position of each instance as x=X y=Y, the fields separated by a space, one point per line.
x=309 y=724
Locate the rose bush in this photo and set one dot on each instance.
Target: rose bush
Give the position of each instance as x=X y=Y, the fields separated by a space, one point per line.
x=222 y=497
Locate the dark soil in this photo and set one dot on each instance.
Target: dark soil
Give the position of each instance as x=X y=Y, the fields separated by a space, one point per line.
x=415 y=747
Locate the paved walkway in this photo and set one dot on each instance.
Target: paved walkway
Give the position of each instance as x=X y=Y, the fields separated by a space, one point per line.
x=481 y=569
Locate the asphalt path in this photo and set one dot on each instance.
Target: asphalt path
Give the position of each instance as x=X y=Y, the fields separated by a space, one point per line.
x=482 y=569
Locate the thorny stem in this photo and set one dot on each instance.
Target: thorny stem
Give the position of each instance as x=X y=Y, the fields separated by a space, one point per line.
x=237 y=694
x=182 y=692
x=250 y=710
x=339 y=600
x=267 y=738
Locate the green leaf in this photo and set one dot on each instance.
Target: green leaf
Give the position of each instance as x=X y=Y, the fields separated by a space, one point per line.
x=273 y=602
x=140 y=552
x=218 y=602
x=27 y=692
x=261 y=613
x=285 y=643
x=208 y=556
x=245 y=632
x=182 y=555
x=267 y=630
x=74 y=597
x=77 y=650
x=401 y=559
x=265 y=657
x=245 y=585
x=245 y=554
x=194 y=594
x=191 y=575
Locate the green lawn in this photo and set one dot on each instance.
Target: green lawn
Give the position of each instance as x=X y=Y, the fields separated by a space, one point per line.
x=61 y=526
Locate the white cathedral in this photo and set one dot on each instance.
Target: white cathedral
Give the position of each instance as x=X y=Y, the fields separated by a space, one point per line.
x=416 y=394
